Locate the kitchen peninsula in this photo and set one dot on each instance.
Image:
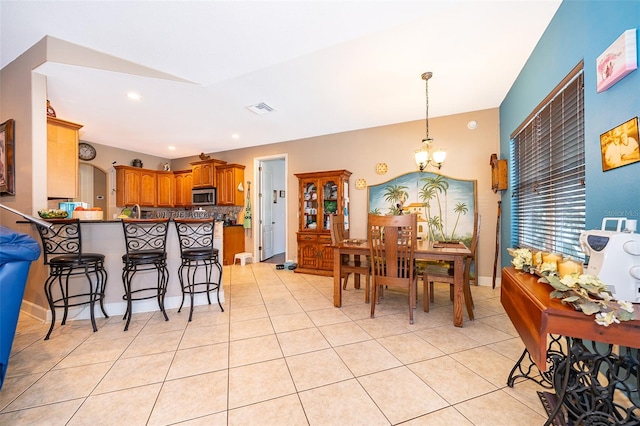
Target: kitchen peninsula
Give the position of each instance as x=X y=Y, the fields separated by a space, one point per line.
x=106 y=237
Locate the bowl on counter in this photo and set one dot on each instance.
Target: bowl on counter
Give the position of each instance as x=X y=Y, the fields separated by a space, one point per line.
x=53 y=214
x=88 y=214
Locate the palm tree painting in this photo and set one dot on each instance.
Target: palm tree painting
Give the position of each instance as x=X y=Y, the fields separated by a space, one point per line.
x=445 y=206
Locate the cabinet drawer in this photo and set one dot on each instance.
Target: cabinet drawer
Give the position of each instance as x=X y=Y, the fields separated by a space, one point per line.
x=324 y=239
x=308 y=238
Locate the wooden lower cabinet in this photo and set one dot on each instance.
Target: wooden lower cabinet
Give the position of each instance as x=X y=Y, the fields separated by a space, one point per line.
x=232 y=243
x=314 y=253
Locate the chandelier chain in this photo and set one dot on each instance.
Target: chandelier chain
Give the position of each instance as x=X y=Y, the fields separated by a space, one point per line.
x=426 y=76
x=426 y=91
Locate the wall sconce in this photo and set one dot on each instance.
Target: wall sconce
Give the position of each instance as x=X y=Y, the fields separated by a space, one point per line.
x=423 y=156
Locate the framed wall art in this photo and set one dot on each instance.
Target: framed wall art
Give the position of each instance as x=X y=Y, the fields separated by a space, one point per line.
x=445 y=205
x=617 y=61
x=7 y=158
x=619 y=146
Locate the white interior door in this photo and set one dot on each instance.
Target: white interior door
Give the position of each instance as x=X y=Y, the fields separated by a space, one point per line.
x=267 y=222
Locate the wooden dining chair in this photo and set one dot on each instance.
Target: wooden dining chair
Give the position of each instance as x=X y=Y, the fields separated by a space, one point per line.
x=444 y=273
x=392 y=242
x=349 y=264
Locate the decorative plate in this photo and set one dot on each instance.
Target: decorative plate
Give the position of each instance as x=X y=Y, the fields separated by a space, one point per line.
x=361 y=184
x=381 y=168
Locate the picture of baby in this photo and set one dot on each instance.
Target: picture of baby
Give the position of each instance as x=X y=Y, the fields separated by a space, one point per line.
x=619 y=146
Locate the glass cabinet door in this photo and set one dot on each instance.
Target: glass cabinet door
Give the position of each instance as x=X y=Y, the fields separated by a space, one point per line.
x=310 y=208
x=330 y=196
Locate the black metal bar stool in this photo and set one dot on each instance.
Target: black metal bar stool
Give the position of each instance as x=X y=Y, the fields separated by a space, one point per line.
x=197 y=251
x=62 y=249
x=145 y=242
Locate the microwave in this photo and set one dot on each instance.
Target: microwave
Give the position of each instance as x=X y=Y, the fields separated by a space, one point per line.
x=203 y=196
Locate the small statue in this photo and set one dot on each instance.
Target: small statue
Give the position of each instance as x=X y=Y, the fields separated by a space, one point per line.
x=204 y=157
x=50 y=111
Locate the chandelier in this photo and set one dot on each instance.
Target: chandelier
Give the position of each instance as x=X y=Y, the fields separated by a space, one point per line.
x=423 y=156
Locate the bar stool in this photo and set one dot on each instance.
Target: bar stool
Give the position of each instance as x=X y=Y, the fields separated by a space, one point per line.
x=197 y=251
x=146 y=250
x=62 y=248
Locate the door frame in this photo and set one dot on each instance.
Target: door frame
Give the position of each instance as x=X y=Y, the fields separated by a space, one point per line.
x=256 y=232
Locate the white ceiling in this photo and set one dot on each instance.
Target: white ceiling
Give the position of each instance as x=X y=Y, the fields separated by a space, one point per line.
x=325 y=66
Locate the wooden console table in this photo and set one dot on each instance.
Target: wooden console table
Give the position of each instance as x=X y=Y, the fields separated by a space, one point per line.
x=575 y=369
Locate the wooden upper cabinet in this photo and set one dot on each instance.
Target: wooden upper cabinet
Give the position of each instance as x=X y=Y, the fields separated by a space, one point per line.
x=183 y=185
x=228 y=180
x=127 y=186
x=62 y=158
x=165 y=183
x=136 y=186
x=203 y=173
x=148 y=188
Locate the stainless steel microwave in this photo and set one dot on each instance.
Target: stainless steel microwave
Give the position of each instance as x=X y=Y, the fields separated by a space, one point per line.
x=203 y=196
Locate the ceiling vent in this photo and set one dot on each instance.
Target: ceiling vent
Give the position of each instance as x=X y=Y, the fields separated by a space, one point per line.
x=261 y=108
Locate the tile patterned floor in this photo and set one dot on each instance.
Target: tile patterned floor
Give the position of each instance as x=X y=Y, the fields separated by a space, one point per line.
x=280 y=354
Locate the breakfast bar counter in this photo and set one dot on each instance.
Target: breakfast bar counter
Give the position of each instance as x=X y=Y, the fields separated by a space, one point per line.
x=107 y=237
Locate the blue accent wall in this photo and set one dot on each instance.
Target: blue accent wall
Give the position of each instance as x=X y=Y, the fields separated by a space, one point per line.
x=581 y=30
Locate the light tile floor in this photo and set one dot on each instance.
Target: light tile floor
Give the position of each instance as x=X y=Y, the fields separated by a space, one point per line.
x=280 y=354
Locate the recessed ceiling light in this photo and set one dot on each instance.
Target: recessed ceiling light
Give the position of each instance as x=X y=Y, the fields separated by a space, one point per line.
x=134 y=96
x=473 y=124
x=235 y=136
x=172 y=148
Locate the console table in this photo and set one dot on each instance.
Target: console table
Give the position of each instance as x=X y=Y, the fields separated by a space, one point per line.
x=584 y=363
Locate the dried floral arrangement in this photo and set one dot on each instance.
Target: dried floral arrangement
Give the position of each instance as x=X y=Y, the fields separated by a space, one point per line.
x=584 y=292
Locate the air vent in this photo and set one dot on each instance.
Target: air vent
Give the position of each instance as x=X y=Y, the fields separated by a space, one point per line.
x=261 y=108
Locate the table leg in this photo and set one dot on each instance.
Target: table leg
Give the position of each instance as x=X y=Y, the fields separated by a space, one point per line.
x=458 y=290
x=337 y=288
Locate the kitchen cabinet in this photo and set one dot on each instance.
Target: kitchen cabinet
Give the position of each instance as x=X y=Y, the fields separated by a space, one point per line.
x=229 y=178
x=320 y=195
x=203 y=173
x=165 y=187
x=148 y=188
x=127 y=186
x=183 y=185
x=62 y=158
x=135 y=186
x=232 y=243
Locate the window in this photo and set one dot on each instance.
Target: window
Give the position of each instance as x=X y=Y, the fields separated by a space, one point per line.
x=548 y=172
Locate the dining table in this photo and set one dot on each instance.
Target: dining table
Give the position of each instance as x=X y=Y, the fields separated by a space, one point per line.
x=455 y=252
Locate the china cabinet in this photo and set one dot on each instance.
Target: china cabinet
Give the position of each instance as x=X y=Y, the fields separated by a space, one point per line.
x=320 y=195
x=62 y=158
x=229 y=178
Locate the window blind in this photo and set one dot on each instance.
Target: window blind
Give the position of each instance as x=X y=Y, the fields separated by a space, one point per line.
x=548 y=173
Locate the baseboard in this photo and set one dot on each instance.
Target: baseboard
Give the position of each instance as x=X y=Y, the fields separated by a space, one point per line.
x=116 y=308
x=488 y=281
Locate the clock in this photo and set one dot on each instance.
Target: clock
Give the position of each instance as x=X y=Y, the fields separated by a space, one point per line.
x=86 y=152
